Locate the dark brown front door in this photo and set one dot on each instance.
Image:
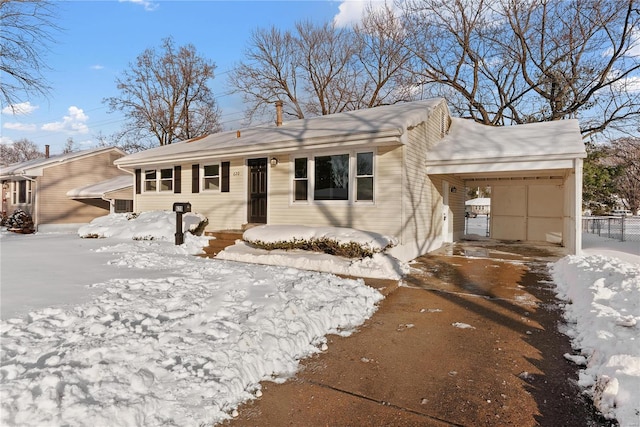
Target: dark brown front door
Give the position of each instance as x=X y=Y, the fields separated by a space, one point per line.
x=257 y=191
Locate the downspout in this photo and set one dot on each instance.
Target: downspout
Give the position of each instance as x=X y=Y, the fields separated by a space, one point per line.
x=577 y=167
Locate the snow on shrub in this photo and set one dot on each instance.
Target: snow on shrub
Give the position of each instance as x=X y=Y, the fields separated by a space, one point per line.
x=345 y=242
x=153 y=225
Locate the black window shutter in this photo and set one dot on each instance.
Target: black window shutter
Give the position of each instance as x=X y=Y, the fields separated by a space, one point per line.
x=138 y=181
x=225 y=177
x=195 y=178
x=177 y=179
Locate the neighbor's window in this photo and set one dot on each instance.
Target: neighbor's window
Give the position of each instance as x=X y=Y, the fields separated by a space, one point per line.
x=364 y=176
x=21 y=192
x=150 y=182
x=300 y=179
x=211 y=178
x=331 y=177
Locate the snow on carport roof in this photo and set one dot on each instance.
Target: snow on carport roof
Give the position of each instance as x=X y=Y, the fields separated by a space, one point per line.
x=98 y=190
x=362 y=126
x=471 y=141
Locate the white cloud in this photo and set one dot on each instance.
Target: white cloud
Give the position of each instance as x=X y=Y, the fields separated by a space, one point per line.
x=351 y=11
x=5 y=140
x=22 y=108
x=97 y=67
x=148 y=5
x=23 y=127
x=74 y=122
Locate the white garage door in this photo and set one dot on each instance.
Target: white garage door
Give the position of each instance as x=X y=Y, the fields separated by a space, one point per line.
x=527 y=212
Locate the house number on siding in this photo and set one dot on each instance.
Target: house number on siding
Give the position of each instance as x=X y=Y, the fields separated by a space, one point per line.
x=237 y=173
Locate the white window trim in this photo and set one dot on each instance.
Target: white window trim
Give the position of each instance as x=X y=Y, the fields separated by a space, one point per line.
x=158 y=180
x=311 y=174
x=15 y=193
x=356 y=176
x=202 y=177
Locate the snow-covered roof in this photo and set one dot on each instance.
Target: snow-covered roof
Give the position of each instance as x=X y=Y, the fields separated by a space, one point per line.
x=34 y=166
x=478 y=201
x=98 y=190
x=380 y=125
x=473 y=147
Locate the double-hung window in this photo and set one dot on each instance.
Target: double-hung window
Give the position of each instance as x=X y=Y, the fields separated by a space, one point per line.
x=334 y=177
x=158 y=180
x=364 y=177
x=300 y=179
x=21 y=192
x=211 y=178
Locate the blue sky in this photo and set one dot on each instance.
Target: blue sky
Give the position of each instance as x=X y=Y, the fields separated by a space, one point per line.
x=99 y=39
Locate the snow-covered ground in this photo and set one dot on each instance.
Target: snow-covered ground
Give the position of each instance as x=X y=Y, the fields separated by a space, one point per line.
x=140 y=332
x=602 y=293
x=163 y=337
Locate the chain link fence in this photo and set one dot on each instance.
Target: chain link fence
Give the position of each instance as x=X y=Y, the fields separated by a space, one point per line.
x=622 y=228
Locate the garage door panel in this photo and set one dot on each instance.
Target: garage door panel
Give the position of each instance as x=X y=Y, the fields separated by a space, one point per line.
x=508 y=200
x=545 y=201
x=509 y=228
x=544 y=230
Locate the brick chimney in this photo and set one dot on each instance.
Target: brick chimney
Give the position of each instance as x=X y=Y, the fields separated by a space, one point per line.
x=46 y=151
x=278 y=113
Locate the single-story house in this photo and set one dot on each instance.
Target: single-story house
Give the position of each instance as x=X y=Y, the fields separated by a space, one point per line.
x=479 y=205
x=39 y=187
x=118 y=192
x=392 y=169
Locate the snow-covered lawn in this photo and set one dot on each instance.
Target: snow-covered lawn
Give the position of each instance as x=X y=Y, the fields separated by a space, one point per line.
x=173 y=340
x=123 y=332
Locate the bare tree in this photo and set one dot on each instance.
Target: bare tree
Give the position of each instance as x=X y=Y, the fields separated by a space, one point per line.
x=383 y=59
x=321 y=69
x=27 y=28
x=326 y=53
x=165 y=96
x=269 y=73
x=19 y=151
x=502 y=62
x=626 y=156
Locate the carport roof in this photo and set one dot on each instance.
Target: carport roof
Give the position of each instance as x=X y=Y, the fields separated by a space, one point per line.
x=471 y=147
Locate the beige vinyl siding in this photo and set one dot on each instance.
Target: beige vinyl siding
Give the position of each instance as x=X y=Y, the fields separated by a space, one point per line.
x=54 y=207
x=422 y=197
x=382 y=216
x=223 y=210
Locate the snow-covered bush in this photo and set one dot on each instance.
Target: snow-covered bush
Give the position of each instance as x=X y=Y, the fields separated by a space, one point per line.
x=345 y=242
x=20 y=222
x=153 y=225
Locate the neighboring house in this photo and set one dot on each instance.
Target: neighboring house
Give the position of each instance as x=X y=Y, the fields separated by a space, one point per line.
x=118 y=192
x=380 y=169
x=479 y=205
x=40 y=187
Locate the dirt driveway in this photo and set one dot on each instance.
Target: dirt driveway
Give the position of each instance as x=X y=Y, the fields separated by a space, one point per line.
x=469 y=338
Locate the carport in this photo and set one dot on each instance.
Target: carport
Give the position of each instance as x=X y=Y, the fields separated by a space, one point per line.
x=535 y=174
